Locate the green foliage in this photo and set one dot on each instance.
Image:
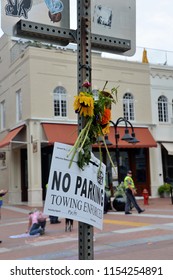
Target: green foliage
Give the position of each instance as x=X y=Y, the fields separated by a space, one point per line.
x=120 y=190
x=165 y=188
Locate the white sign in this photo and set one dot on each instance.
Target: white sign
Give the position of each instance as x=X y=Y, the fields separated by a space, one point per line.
x=74 y=193
x=50 y=12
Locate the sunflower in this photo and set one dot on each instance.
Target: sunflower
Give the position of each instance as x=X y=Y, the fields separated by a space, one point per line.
x=97 y=113
x=84 y=104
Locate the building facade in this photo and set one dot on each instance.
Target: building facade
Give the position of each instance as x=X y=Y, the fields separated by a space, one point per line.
x=37 y=88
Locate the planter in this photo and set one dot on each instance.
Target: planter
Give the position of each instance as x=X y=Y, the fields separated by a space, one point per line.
x=119 y=203
x=164 y=190
x=166 y=194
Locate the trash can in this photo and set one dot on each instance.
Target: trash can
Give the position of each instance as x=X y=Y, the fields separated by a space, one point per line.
x=119 y=203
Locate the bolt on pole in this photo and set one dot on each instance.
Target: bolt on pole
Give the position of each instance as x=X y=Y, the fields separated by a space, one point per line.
x=85 y=231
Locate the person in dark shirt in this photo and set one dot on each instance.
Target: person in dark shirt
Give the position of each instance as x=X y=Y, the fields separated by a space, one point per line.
x=130 y=192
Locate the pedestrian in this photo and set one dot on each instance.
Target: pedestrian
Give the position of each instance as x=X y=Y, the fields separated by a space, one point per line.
x=130 y=192
x=2 y=194
x=37 y=223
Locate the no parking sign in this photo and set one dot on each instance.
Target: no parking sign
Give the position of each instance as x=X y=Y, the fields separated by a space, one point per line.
x=74 y=193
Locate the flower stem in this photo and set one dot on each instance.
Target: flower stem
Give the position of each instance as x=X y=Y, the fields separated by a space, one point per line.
x=88 y=125
x=109 y=156
x=80 y=141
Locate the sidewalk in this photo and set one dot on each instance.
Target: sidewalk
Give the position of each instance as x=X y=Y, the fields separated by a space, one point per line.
x=138 y=236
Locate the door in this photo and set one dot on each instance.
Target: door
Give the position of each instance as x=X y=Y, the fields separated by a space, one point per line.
x=139 y=159
x=136 y=160
x=46 y=157
x=24 y=176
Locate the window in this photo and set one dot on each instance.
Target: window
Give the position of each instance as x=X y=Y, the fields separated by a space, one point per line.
x=2 y=108
x=18 y=105
x=128 y=107
x=60 y=102
x=163 y=109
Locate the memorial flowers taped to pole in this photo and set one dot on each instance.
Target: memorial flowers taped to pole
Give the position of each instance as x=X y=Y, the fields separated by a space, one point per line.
x=97 y=116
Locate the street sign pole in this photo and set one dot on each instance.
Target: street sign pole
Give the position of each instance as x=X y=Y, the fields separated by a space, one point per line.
x=85 y=231
x=85 y=41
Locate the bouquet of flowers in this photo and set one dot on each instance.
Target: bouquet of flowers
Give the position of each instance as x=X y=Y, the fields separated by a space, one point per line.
x=97 y=116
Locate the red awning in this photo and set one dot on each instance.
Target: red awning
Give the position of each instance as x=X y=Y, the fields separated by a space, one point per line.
x=10 y=136
x=142 y=134
x=67 y=133
x=63 y=133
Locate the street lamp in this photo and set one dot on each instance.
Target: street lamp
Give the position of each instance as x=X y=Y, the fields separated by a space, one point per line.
x=130 y=138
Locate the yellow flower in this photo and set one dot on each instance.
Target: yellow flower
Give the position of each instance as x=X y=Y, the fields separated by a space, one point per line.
x=106 y=129
x=84 y=104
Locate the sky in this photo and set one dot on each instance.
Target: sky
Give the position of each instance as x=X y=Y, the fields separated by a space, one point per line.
x=154 y=24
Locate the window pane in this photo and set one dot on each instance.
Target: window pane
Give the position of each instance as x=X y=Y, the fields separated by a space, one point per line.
x=2 y=115
x=18 y=105
x=128 y=107
x=162 y=109
x=60 y=102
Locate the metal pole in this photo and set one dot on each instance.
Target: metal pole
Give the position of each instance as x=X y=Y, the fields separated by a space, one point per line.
x=117 y=148
x=85 y=231
x=117 y=158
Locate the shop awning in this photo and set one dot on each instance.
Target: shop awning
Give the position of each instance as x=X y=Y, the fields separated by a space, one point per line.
x=10 y=136
x=63 y=133
x=67 y=133
x=169 y=148
x=143 y=134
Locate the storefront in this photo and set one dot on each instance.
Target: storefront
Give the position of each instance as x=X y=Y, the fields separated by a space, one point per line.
x=131 y=156
x=28 y=152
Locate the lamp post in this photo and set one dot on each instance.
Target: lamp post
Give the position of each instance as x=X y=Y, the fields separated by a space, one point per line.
x=130 y=138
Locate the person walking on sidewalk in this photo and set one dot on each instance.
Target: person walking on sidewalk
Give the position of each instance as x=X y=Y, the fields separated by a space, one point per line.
x=2 y=193
x=130 y=192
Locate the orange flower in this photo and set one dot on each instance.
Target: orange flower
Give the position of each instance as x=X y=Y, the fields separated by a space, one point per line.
x=106 y=116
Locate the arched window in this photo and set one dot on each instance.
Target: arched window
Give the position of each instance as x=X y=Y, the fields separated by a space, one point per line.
x=128 y=107
x=60 y=102
x=163 y=109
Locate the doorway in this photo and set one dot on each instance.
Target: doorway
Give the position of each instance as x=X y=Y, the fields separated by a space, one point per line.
x=142 y=170
x=46 y=157
x=24 y=175
x=136 y=160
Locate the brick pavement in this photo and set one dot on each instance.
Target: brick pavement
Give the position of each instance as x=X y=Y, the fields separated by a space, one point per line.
x=138 y=236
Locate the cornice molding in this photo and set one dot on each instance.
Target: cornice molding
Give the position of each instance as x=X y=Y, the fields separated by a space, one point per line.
x=162 y=76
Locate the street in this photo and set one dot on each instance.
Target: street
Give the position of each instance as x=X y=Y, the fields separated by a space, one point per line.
x=145 y=236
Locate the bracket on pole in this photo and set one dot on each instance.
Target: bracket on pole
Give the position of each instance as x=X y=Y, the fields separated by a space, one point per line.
x=49 y=33
x=63 y=36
